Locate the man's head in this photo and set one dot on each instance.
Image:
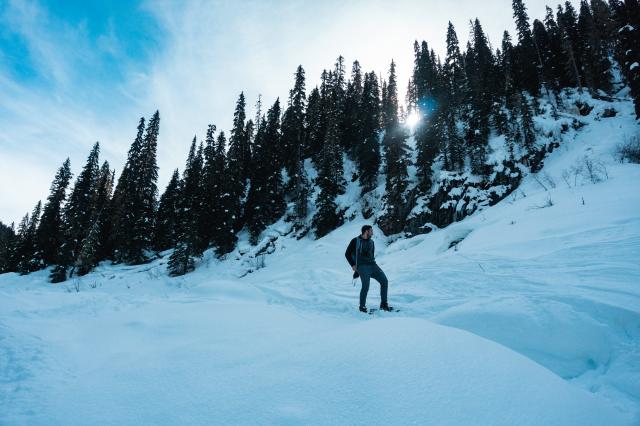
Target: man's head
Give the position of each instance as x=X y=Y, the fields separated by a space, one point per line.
x=366 y=232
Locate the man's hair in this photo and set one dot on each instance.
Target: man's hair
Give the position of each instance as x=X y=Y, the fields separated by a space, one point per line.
x=365 y=228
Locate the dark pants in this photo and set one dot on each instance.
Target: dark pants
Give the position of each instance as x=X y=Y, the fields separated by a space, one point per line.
x=366 y=273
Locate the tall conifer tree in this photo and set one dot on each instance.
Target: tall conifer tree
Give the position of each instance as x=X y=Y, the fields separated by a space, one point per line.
x=167 y=220
x=368 y=151
x=395 y=160
x=50 y=231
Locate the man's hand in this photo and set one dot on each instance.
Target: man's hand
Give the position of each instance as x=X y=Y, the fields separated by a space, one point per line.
x=354 y=268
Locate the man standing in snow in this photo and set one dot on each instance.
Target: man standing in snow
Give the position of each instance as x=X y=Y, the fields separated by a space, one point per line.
x=361 y=257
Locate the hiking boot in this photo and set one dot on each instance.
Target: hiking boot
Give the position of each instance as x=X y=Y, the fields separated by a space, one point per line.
x=385 y=307
x=363 y=309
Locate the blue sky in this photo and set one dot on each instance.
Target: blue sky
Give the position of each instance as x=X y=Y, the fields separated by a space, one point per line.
x=107 y=34
x=74 y=72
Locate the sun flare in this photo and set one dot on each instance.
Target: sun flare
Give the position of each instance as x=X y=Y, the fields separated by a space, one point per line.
x=412 y=120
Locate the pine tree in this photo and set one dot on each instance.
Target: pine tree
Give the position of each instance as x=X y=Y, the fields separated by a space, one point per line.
x=330 y=160
x=148 y=177
x=315 y=125
x=425 y=79
x=135 y=198
x=123 y=199
x=554 y=65
x=249 y=131
x=395 y=159
x=167 y=220
x=301 y=200
x=512 y=127
x=318 y=113
x=79 y=209
x=499 y=117
x=258 y=198
x=212 y=182
x=28 y=259
x=595 y=59
x=427 y=134
x=571 y=49
x=17 y=252
x=88 y=253
x=411 y=97
x=456 y=87
x=352 y=118
x=453 y=69
x=338 y=96
x=293 y=131
x=181 y=260
x=238 y=141
x=189 y=243
x=7 y=238
x=605 y=24
x=191 y=200
x=543 y=44
x=528 y=134
x=224 y=238
x=430 y=138
x=627 y=16
x=526 y=57
x=293 y=145
x=237 y=170
x=50 y=231
x=266 y=195
x=368 y=151
x=329 y=180
x=101 y=209
x=273 y=137
x=482 y=82
x=506 y=65
x=33 y=257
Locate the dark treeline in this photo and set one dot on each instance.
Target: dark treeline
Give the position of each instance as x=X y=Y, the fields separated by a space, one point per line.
x=250 y=178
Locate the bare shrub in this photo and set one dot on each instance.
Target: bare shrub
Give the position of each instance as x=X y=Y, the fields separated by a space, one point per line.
x=548 y=179
x=629 y=150
x=547 y=203
x=590 y=170
x=540 y=183
x=566 y=174
x=545 y=180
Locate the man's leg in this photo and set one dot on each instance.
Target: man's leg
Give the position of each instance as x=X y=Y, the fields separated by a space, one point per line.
x=365 y=277
x=378 y=275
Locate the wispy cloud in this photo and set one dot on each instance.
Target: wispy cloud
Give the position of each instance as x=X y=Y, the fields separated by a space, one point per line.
x=53 y=47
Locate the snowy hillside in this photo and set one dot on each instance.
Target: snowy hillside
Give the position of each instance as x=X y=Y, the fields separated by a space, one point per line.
x=526 y=312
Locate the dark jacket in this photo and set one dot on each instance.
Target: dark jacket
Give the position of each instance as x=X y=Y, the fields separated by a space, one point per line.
x=364 y=256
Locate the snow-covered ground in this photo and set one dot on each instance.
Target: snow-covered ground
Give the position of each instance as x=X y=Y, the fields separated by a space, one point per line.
x=525 y=313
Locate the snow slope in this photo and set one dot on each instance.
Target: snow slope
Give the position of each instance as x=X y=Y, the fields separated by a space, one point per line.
x=525 y=313
x=200 y=360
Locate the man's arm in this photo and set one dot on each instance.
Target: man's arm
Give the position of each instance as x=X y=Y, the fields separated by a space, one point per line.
x=350 y=251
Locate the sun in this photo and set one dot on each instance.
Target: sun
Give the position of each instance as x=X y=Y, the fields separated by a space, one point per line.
x=412 y=120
